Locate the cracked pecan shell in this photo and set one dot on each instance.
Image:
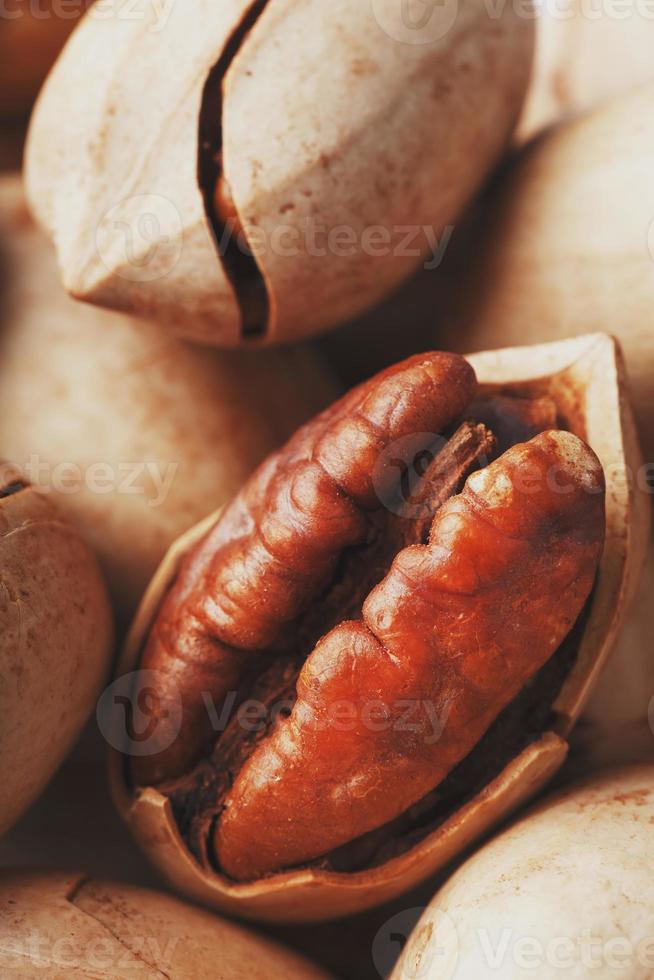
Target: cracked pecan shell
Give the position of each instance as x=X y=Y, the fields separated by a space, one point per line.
x=470 y=606
x=64 y=924
x=293 y=163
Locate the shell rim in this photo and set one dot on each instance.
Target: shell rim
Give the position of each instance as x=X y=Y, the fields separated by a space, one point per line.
x=535 y=765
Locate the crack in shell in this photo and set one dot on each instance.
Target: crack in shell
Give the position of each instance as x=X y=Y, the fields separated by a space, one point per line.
x=230 y=237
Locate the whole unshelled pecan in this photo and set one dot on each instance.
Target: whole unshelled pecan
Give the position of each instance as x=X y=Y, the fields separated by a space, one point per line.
x=56 y=641
x=294 y=163
x=332 y=586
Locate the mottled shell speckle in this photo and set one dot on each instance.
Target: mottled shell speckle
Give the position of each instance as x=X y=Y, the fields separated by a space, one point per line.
x=566 y=891
x=64 y=925
x=55 y=644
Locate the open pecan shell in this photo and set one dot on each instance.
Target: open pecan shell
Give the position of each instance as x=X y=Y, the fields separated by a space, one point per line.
x=585 y=379
x=207 y=200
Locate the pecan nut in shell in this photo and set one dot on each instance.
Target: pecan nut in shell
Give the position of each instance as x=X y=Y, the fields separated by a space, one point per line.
x=174 y=792
x=453 y=613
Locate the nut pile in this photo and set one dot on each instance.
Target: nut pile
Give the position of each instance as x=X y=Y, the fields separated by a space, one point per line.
x=361 y=594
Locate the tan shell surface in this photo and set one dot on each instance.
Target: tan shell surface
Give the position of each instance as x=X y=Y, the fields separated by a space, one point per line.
x=585 y=55
x=137 y=435
x=103 y=157
x=585 y=376
x=63 y=925
x=617 y=726
x=334 y=120
x=626 y=688
x=335 y=142
x=55 y=645
x=566 y=246
x=566 y=891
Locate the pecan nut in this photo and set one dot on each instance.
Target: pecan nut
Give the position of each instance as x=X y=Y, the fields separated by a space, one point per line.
x=324 y=584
